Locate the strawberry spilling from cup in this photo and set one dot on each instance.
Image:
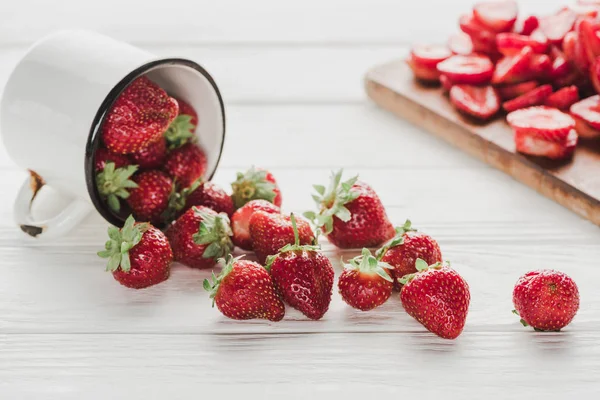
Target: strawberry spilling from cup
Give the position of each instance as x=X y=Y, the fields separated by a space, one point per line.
x=543 y=71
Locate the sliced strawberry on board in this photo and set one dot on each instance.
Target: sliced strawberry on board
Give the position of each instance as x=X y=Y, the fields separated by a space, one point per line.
x=536 y=146
x=510 y=43
x=588 y=110
x=508 y=92
x=515 y=68
x=563 y=98
x=544 y=122
x=461 y=44
x=569 y=46
x=446 y=82
x=429 y=55
x=485 y=45
x=498 y=16
x=587 y=31
x=556 y=26
x=585 y=130
x=423 y=73
x=583 y=9
x=540 y=66
x=481 y=102
x=527 y=26
x=533 y=98
x=560 y=65
x=595 y=74
x=581 y=60
x=472 y=27
x=474 y=69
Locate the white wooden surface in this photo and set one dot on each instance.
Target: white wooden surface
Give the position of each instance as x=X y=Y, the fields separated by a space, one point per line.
x=291 y=74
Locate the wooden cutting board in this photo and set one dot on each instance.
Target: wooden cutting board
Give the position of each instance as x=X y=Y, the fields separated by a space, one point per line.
x=574 y=184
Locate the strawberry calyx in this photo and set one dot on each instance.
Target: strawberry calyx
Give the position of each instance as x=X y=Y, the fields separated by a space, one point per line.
x=215 y=232
x=522 y=320
x=178 y=199
x=112 y=183
x=121 y=241
x=421 y=265
x=180 y=131
x=332 y=200
x=396 y=240
x=368 y=263
x=252 y=185
x=212 y=286
x=293 y=247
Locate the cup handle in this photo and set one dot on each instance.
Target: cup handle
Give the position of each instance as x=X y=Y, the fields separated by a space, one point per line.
x=53 y=227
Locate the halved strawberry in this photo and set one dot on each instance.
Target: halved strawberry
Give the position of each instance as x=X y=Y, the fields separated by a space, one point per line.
x=481 y=102
x=446 y=82
x=485 y=45
x=533 y=98
x=536 y=146
x=472 y=69
x=508 y=92
x=499 y=16
x=510 y=43
x=588 y=110
x=515 y=68
x=556 y=26
x=461 y=44
x=569 y=47
x=587 y=30
x=527 y=26
x=540 y=66
x=560 y=65
x=586 y=9
x=544 y=122
x=582 y=62
x=595 y=74
x=472 y=27
x=429 y=55
x=423 y=73
x=585 y=130
x=564 y=98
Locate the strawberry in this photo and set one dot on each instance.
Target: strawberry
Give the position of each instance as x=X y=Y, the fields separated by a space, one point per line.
x=584 y=130
x=498 y=16
x=564 y=98
x=302 y=275
x=244 y=290
x=474 y=69
x=151 y=156
x=508 y=92
x=429 y=55
x=533 y=98
x=544 y=122
x=181 y=130
x=595 y=74
x=115 y=183
x=104 y=156
x=481 y=102
x=438 y=297
x=240 y=221
x=588 y=35
x=546 y=300
x=446 y=83
x=364 y=284
x=403 y=250
x=527 y=26
x=186 y=164
x=422 y=73
x=200 y=193
x=514 y=68
x=150 y=199
x=187 y=109
x=588 y=110
x=350 y=214
x=569 y=47
x=139 y=116
x=510 y=43
x=255 y=184
x=138 y=255
x=200 y=237
x=540 y=66
x=556 y=26
x=528 y=143
x=461 y=44
x=270 y=231
x=560 y=65
x=475 y=29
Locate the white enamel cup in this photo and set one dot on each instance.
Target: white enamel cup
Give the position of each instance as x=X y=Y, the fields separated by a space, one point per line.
x=53 y=106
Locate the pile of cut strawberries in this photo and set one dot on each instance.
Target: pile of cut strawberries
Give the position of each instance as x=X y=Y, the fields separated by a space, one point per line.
x=152 y=166
x=544 y=71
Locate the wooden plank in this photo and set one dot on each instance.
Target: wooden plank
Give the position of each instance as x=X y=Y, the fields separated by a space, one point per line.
x=574 y=184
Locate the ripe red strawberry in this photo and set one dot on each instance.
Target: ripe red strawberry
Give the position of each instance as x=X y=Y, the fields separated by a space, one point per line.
x=545 y=299
x=531 y=144
x=510 y=43
x=429 y=55
x=498 y=16
x=544 y=122
x=461 y=44
x=139 y=116
x=138 y=255
x=200 y=237
x=403 y=250
x=564 y=98
x=588 y=34
x=186 y=164
x=508 y=92
x=240 y=221
x=423 y=73
x=302 y=275
x=584 y=130
x=365 y=284
x=350 y=214
x=244 y=290
x=205 y=194
x=540 y=66
x=514 y=68
x=255 y=184
x=181 y=130
x=151 y=197
x=269 y=232
x=595 y=74
x=481 y=102
x=527 y=26
x=187 y=109
x=560 y=65
x=556 y=26
x=446 y=83
x=475 y=29
x=104 y=156
x=438 y=297
x=115 y=183
x=151 y=156
x=473 y=69
x=533 y=98
x=588 y=110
